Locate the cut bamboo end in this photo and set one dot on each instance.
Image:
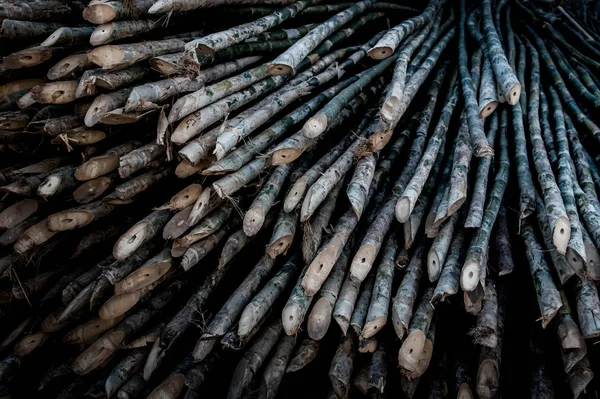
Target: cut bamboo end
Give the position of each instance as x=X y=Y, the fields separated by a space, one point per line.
x=185 y=169
x=130 y=241
x=89 y=332
x=65 y=66
x=280 y=246
x=380 y=53
x=318 y=270
x=403 y=209
x=285 y=155
x=290 y=319
x=372 y=327
x=94 y=356
x=319 y=319
x=434 y=265
x=279 y=69
x=515 y=94
x=101 y=34
x=593 y=261
x=561 y=234
x=488 y=379
x=99 y=13
x=161 y=7
x=411 y=350
x=469 y=276
x=464 y=392
x=91 y=189
x=53 y=38
x=363 y=261
x=170 y=388
x=50 y=186
x=488 y=109
x=315 y=126
x=106 y=57
x=18 y=212
x=97 y=167
x=69 y=220
x=27 y=58
x=118 y=305
x=29 y=343
x=292 y=199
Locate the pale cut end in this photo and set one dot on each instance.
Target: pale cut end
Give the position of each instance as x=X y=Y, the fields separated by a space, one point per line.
x=142 y=277
x=50 y=186
x=97 y=167
x=18 y=212
x=118 y=305
x=292 y=199
x=185 y=169
x=285 y=155
x=98 y=108
x=130 y=241
x=169 y=389
x=99 y=14
x=411 y=350
x=469 y=276
x=318 y=271
x=390 y=108
x=66 y=66
x=488 y=109
x=253 y=220
x=94 y=356
x=315 y=126
x=379 y=140
x=561 y=234
x=372 y=327
x=319 y=319
x=152 y=361
x=514 y=94
x=275 y=69
x=53 y=38
x=290 y=319
x=106 y=57
x=91 y=189
x=363 y=261
x=576 y=261
x=367 y=345
x=69 y=220
x=380 y=53
x=101 y=34
x=403 y=209
x=434 y=266
x=488 y=379
x=464 y=392
x=280 y=246
x=219 y=151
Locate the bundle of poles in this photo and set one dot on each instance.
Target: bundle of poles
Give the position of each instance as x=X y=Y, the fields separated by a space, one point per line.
x=278 y=198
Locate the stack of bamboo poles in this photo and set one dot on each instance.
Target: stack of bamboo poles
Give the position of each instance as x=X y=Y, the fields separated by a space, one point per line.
x=310 y=186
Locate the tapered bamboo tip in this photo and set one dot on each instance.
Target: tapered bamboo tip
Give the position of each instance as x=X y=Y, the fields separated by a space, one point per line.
x=464 y=392
x=390 y=108
x=575 y=260
x=27 y=58
x=69 y=220
x=469 y=276
x=99 y=13
x=380 y=53
x=65 y=66
x=169 y=389
x=363 y=261
x=142 y=277
x=315 y=126
x=285 y=155
x=52 y=322
x=488 y=109
x=292 y=199
x=153 y=360
x=203 y=348
x=279 y=69
x=372 y=327
x=515 y=93
x=318 y=271
x=319 y=319
x=593 y=261
x=487 y=379
x=101 y=34
x=50 y=186
x=96 y=167
x=290 y=319
x=186 y=169
x=161 y=7
x=18 y=212
x=280 y=246
x=434 y=266
x=561 y=234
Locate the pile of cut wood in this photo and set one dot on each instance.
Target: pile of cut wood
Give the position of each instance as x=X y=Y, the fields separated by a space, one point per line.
x=370 y=197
